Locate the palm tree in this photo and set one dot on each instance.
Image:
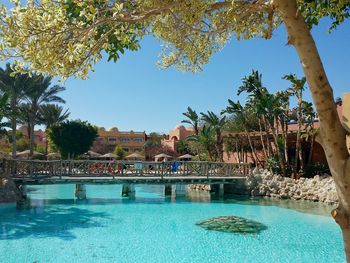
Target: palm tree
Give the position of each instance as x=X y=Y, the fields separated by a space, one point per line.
x=38 y=93
x=241 y=115
x=204 y=139
x=193 y=119
x=14 y=87
x=268 y=107
x=309 y=115
x=298 y=86
x=49 y=115
x=3 y=110
x=258 y=100
x=216 y=123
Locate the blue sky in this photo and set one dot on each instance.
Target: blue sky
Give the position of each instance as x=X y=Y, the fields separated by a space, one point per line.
x=134 y=94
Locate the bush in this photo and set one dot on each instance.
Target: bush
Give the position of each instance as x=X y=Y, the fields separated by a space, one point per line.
x=273 y=165
x=316 y=169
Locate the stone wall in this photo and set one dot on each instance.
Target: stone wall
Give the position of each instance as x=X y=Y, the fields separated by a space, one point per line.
x=319 y=188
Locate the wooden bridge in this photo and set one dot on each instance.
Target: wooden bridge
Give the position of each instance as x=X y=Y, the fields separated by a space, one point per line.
x=92 y=171
x=128 y=173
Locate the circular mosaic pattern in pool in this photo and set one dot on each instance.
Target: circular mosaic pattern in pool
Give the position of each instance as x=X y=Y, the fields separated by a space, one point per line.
x=232 y=224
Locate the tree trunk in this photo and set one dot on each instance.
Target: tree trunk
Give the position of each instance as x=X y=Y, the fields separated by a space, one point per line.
x=253 y=151
x=262 y=140
x=237 y=151
x=268 y=143
x=280 y=157
x=284 y=137
x=14 y=139
x=31 y=139
x=312 y=141
x=298 y=150
x=46 y=148
x=333 y=134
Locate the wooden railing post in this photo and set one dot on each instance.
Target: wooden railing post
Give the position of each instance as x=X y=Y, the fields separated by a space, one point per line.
x=162 y=173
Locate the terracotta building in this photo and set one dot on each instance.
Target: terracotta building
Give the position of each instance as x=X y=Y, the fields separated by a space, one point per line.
x=318 y=154
x=130 y=141
x=180 y=132
x=39 y=135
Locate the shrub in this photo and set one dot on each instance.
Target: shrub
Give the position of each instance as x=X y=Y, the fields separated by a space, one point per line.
x=316 y=169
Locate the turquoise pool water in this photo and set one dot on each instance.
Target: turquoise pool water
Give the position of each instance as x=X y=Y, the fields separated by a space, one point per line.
x=152 y=228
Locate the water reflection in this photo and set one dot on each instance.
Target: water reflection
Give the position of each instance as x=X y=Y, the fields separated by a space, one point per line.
x=154 y=194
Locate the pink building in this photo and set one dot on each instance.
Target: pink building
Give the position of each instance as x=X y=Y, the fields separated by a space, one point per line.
x=39 y=135
x=179 y=133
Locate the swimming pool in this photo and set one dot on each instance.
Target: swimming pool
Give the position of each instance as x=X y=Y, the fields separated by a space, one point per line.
x=154 y=228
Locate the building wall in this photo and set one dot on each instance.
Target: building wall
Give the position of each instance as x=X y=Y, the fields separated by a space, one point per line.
x=178 y=133
x=130 y=141
x=39 y=135
x=318 y=154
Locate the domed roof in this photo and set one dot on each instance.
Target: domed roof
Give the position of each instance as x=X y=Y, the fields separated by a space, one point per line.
x=179 y=127
x=115 y=129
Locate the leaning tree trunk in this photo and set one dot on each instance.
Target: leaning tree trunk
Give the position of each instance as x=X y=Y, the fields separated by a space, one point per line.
x=332 y=133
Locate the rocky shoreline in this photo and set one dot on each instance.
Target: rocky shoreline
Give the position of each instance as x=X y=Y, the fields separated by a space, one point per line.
x=264 y=183
x=318 y=188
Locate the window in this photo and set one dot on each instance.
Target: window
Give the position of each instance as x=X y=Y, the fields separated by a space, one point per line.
x=112 y=139
x=138 y=139
x=125 y=149
x=124 y=140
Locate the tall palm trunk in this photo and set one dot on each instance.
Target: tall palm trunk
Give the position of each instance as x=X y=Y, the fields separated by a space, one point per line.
x=253 y=150
x=46 y=148
x=262 y=140
x=219 y=147
x=31 y=137
x=268 y=143
x=285 y=135
x=279 y=155
x=333 y=134
x=298 y=150
x=14 y=138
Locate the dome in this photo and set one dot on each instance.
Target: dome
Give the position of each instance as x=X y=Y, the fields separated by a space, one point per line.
x=179 y=127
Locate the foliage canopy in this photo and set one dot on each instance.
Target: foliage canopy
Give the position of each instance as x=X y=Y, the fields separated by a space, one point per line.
x=73 y=138
x=67 y=37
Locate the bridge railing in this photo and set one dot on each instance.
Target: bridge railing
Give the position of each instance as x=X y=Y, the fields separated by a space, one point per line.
x=76 y=168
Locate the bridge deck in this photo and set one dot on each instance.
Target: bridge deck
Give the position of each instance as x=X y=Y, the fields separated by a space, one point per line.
x=126 y=180
x=116 y=172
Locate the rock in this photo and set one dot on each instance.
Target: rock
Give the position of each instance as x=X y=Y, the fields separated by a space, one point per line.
x=320 y=188
x=8 y=190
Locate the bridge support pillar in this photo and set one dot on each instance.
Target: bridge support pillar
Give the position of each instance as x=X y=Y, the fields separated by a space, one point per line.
x=167 y=190
x=128 y=190
x=218 y=189
x=23 y=202
x=180 y=190
x=80 y=191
